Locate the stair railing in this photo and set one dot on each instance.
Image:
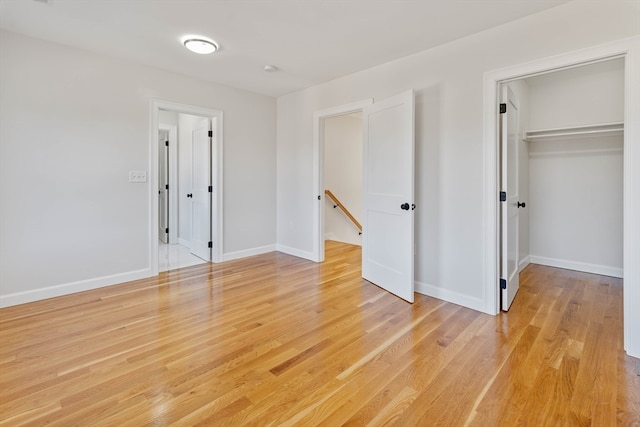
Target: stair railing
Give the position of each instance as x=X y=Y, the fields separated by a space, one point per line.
x=338 y=204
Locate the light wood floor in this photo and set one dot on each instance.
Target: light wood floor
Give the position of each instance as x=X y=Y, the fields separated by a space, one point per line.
x=277 y=340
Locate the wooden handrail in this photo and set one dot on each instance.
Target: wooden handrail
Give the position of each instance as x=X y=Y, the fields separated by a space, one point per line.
x=344 y=209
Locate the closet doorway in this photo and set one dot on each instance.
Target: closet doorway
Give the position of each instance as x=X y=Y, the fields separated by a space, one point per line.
x=562 y=172
x=629 y=51
x=187 y=155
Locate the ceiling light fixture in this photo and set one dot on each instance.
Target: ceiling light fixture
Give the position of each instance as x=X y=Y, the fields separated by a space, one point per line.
x=270 y=68
x=200 y=46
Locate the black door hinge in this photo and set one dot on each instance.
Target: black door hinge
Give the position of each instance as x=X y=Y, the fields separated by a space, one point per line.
x=503 y=284
x=503 y=108
x=166 y=230
x=210 y=244
x=319 y=198
x=210 y=189
x=166 y=186
x=503 y=196
x=210 y=134
x=166 y=143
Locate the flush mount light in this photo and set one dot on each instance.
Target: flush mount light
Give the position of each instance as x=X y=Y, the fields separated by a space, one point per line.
x=200 y=46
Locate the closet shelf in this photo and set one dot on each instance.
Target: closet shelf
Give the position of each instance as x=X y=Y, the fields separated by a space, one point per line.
x=600 y=129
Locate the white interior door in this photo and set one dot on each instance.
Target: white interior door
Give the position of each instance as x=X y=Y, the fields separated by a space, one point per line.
x=387 y=238
x=509 y=274
x=163 y=186
x=201 y=194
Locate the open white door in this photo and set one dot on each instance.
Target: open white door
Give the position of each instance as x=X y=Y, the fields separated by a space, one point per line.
x=201 y=241
x=509 y=197
x=387 y=238
x=163 y=186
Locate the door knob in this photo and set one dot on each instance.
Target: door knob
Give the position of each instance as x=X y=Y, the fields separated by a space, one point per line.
x=404 y=206
x=522 y=205
x=190 y=195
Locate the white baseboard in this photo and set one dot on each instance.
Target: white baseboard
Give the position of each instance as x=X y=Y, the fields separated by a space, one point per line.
x=248 y=252
x=183 y=242
x=329 y=236
x=450 y=296
x=71 y=288
x=603 y=270
x=295 y=252
x=524 y=262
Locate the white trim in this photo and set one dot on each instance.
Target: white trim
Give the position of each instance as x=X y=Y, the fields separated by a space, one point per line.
x=524 y=263
x=603 y=270
x=184 y=242
x=449 y=296
x=318 y=165
x=217 y=183
x=248 y=252
x=217 y=205
x=295 y=252
x=630 y=50
x=71 y=288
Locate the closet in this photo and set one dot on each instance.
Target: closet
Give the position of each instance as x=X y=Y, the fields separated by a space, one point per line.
x=570 y=168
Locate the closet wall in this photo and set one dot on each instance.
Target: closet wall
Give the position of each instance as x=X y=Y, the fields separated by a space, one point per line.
x=575 y=183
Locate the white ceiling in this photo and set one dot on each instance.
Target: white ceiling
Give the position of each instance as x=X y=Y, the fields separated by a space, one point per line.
x=310 y=41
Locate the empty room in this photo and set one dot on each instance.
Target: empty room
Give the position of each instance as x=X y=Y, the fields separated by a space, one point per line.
x=269 y=212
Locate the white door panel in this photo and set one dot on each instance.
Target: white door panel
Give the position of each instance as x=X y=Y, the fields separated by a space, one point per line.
x=509 y=209
x=201 y=197
x=163 y=183
x=387 y=238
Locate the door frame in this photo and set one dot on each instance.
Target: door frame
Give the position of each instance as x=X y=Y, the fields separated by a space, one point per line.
x=629 y=49
x=216 y=177
x=318 y=168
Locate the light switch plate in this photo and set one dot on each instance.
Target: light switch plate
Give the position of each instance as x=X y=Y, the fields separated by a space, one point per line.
x=137 y=176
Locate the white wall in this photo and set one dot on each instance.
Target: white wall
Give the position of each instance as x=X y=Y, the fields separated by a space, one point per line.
x=521 y=90
x=576 y=184
x=448 y=81
x=343 y=176
x=73 y=124
x=587 y=95
x=168 y=118
x=186 y=125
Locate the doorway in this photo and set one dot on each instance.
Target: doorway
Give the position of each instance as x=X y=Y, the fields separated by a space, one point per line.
x=387 y=190
x=187 y=183
x=319 y=214
x=342 y=141
x=629 y=49
x=562 y=180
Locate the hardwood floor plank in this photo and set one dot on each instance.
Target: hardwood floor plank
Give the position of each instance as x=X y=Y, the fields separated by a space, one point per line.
x=278 y=340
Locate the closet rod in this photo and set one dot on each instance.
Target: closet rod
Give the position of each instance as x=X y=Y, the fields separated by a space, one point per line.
x=607 y=128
